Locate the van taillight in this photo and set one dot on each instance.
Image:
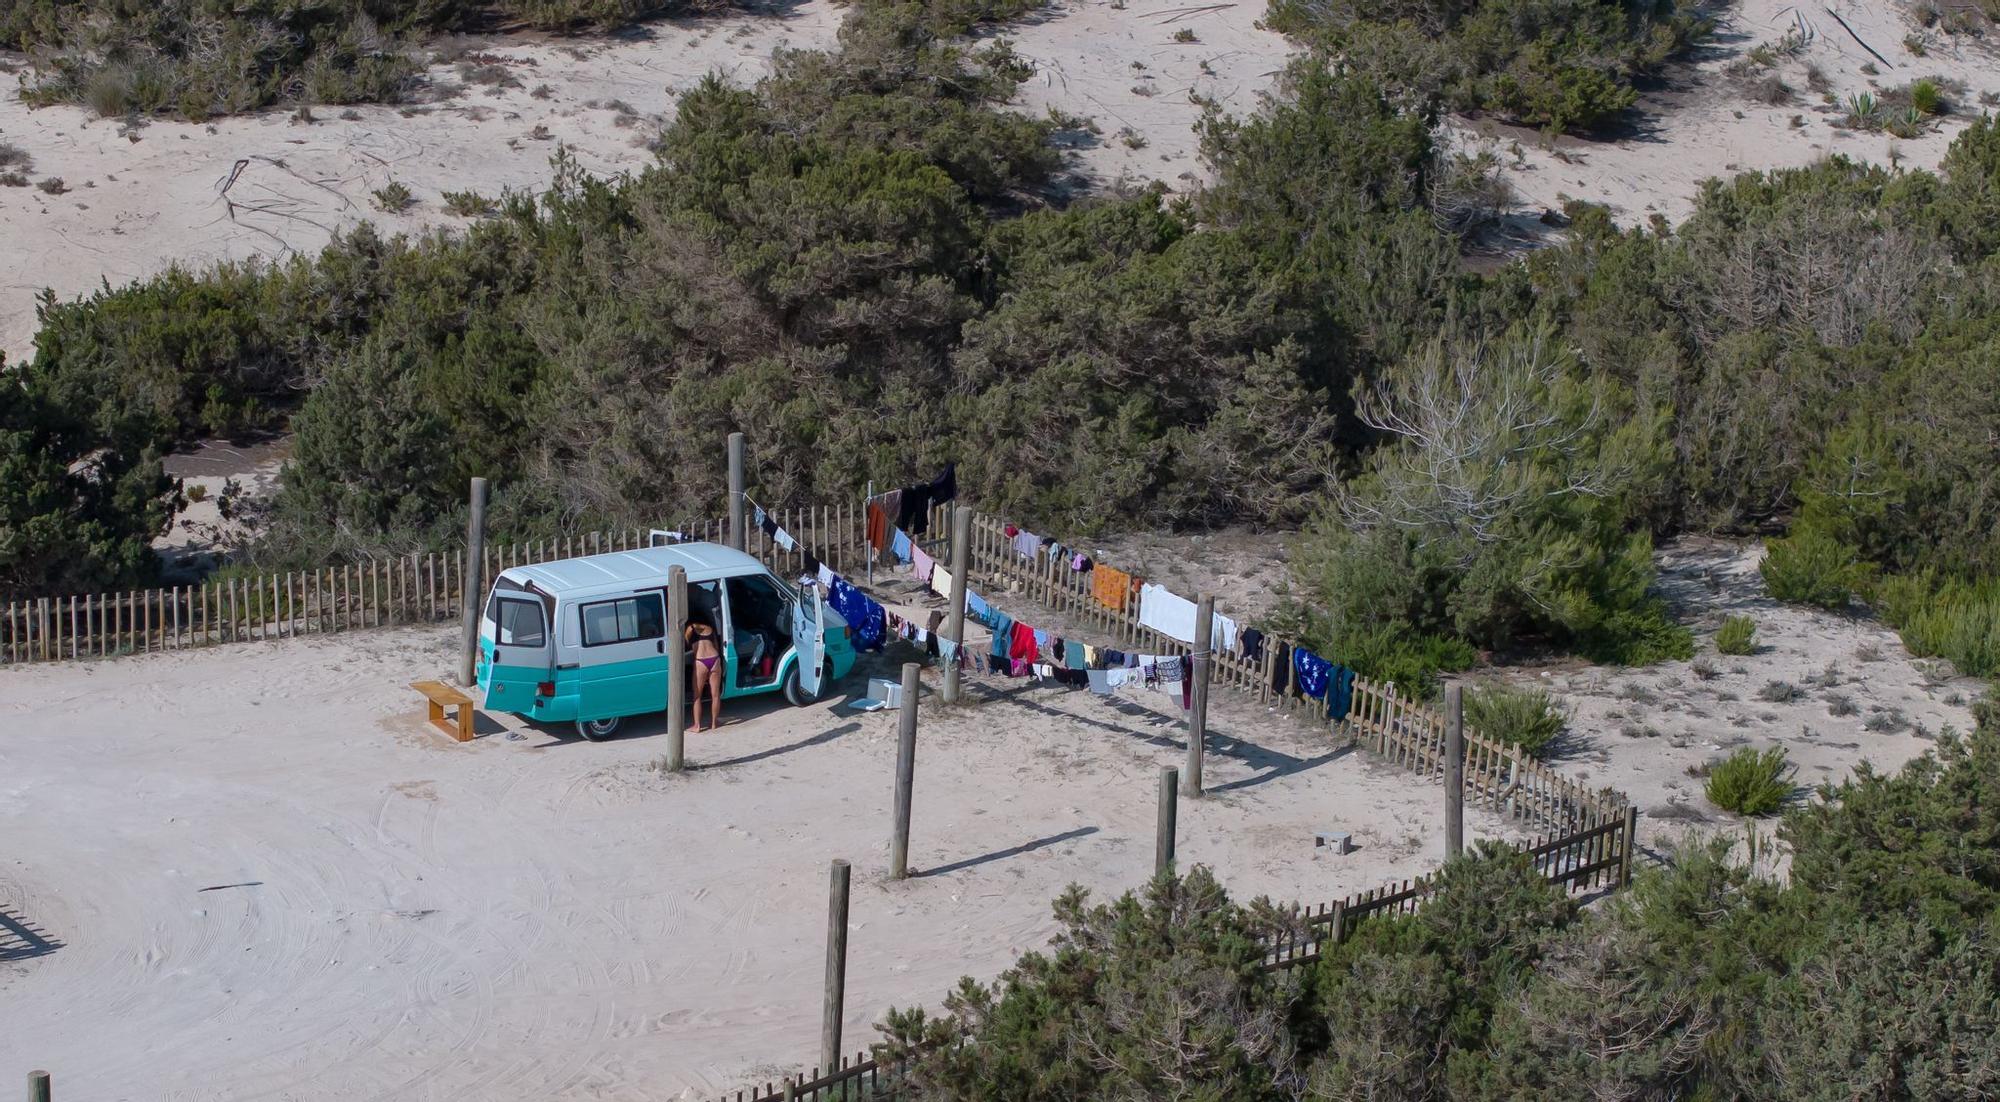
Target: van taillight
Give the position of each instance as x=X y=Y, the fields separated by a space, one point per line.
x=847 y=633
x=545 y=688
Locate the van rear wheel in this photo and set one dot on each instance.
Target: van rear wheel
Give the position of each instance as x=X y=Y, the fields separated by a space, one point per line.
x=597 y=730
x=796 y=693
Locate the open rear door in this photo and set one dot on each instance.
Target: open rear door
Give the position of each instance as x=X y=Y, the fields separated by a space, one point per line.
x=808 y=616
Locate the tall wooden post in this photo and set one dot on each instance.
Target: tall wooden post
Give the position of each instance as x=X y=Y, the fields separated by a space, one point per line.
x=906 y=771
x=1201 y=659
x=961 y=559
x=677 y=664
x=1454 y=771
x=836 y=966
x=473 y=580
x=1163 y=833
x=38 y=1086
x=737 y=535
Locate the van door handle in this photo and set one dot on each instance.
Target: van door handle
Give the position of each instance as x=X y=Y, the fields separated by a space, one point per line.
x=661 y=646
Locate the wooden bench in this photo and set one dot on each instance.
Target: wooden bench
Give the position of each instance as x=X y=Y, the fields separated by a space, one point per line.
x=442 y=696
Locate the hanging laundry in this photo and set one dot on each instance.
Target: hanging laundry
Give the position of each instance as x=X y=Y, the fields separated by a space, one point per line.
x=1281 y=667
x=1079 y=563
x=900 y=546
x=784 y=540
x=826 y=576
x=1003 y=634
x=941 y=581
x=1022 y=648
x=1167 y=613
x=947 y=650
x=1340 y=693
x=756 y=514
x=1100 y=682
x=914 y=514
x=1253 y=646
x=1167 y=668
x=812 y=565
x=1110 y=586
x=945 y=486
x=1312 y=670
x=1078 y=657
x=867 y=618
x=923 y=563
x=977 y=608
x=1074 y=679
x=1011 y=531
x=878 y=527
x=1041 y=640
x=1027 y=545
x=1222 y=633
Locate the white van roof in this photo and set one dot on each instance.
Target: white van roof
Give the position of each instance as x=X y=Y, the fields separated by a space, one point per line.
x=628 y=570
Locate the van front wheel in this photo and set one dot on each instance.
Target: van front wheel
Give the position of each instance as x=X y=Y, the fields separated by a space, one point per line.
x=597 y=730
x=795 y=692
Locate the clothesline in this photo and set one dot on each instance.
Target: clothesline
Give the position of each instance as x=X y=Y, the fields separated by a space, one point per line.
x=1018 y=647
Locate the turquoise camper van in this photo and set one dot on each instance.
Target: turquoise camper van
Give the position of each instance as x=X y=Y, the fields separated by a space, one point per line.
x=584 y=640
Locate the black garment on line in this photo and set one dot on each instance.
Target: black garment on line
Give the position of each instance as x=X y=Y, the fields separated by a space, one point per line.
x=915 y=515
x=1253 y=645
x=1075 y=679
x=1281 y=670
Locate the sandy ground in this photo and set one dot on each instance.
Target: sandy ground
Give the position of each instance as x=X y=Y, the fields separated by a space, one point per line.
x=1833 y=691
x=244 y=474
x=254 y=873
x=142 y=198
x=1704 y=123
x=1117 y=62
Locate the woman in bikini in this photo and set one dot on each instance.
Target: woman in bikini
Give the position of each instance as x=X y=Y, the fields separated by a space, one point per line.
x=706 y=646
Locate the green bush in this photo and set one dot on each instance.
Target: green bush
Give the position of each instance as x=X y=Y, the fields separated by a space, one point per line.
x=1957 y=620
x=1926 y=97
x=1529 y=718
x=1750 y=782
x=1738 y=635
x=1811 y=568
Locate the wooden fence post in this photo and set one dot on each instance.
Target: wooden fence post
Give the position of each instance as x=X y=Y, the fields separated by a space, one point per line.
x=677 y=662
x=906 y=770
x=38 y=1086
x=1202 y=659
x=1454 y=771
x=961 y=562
x=836 y=965
x=736 y=489
x=1630 y=843
x=1163 y=831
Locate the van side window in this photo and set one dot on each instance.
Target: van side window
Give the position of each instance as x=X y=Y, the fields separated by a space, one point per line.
x=624 y=620
x=519 y=623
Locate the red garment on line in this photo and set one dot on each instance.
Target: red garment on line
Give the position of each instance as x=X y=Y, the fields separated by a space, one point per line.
x=1022 y=647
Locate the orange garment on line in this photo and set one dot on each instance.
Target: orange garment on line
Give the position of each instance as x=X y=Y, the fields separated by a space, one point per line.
x=878 y=527
x=1111 y=586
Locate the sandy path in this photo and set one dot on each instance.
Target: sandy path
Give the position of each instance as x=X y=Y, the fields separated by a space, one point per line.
x=268 y=880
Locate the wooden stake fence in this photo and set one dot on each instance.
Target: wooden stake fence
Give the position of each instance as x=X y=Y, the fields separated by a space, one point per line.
x=420 y=588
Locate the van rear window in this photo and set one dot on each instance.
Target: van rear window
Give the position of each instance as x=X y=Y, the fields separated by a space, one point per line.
x=517 y=623
x=625 y=620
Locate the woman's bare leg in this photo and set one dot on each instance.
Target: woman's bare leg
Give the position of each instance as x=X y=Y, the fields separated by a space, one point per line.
x=715 y=696
x=700 y=680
